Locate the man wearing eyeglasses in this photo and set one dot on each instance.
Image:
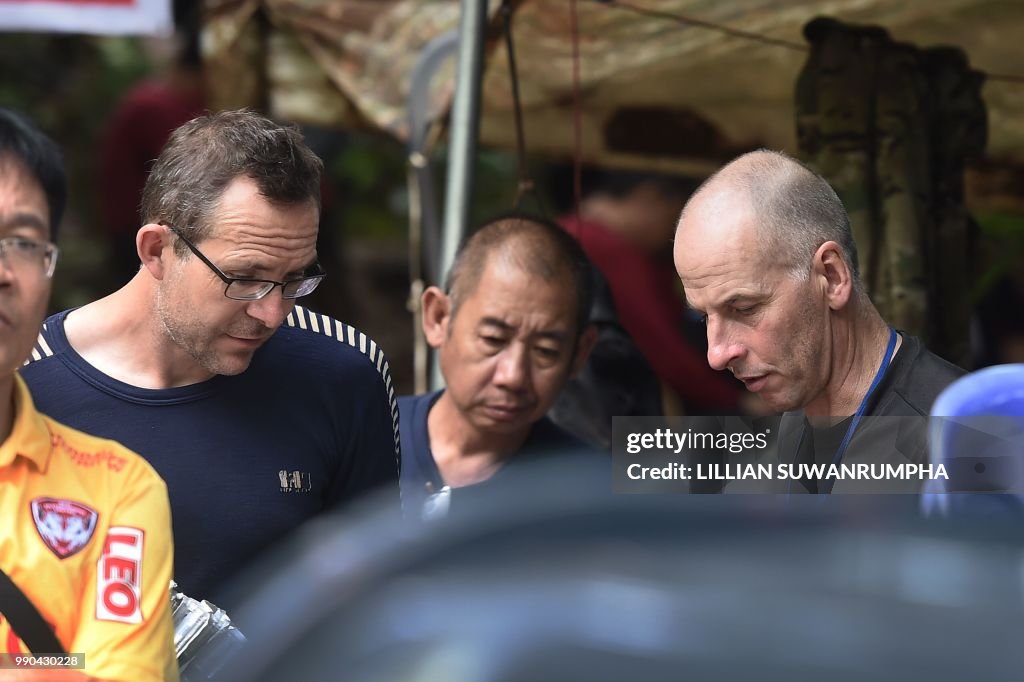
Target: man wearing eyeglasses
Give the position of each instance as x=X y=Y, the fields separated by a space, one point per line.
x=258 y=413
x=85 y=528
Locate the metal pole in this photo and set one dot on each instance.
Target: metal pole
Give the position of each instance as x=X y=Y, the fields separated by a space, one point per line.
x=424 y=228
x=465 y=126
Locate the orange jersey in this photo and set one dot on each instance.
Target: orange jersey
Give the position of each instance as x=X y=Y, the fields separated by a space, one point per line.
x=85 y=532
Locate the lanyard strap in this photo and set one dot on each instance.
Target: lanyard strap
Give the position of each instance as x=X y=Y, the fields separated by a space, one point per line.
x=879 y=375
x=25 y=619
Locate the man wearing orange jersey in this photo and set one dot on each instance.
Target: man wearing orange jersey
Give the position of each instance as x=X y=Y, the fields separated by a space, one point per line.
x=85 y=528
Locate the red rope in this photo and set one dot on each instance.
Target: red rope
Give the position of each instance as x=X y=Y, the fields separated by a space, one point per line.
x=577 y=119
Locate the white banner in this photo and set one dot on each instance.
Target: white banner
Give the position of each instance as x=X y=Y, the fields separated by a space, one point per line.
x=100 y=17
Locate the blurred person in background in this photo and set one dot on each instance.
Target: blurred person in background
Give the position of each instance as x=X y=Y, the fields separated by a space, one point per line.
x=139 y=127
x=626 y=225
x=86 y=532
x=510 y=328
x=258 y=413
x=615 y=380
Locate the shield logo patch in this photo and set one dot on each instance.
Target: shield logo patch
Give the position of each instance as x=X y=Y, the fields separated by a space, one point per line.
x=65 y=526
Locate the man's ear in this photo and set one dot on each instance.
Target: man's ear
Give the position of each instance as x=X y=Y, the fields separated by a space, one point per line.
x=153 y=244
x=588 y=339
x=835 y=274
x=437 y=307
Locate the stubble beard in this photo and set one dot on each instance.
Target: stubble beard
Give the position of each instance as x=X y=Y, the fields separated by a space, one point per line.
x=191 y=336
x=809 y=353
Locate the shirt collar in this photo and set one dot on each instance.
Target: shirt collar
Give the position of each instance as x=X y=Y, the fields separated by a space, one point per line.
x=30 y=436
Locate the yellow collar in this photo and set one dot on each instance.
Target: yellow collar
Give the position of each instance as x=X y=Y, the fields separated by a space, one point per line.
x=30 y=437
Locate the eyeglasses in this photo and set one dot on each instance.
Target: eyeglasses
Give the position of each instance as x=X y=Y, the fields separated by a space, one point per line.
x=23 y=253
x=249 y=289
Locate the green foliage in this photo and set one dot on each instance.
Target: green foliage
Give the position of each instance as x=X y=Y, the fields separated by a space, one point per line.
x=1003 y=226
x=69 y=84
x=1003 y=245
x=495 y=183
x=366 y=175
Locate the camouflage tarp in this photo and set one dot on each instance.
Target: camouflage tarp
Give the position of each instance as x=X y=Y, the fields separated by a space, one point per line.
x=698 y=94
x=889 y=124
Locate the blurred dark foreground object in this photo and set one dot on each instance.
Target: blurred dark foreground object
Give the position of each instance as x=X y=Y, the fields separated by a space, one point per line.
x=560 y=580
x=616 y=380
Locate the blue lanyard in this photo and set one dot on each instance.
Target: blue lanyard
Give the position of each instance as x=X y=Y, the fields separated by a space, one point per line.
x=879 y=375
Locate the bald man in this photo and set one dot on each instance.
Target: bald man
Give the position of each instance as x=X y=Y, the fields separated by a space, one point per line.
x=766 y=255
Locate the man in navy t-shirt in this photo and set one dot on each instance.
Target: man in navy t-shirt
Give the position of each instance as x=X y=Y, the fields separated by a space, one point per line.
x=510 y=331
x=258 y=414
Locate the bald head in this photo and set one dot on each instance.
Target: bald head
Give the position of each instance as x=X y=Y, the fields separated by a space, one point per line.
x=527 y=243
x=790 y=209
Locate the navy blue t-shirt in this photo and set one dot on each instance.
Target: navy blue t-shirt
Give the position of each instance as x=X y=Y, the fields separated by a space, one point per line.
x=421 y=478
x=312 y=423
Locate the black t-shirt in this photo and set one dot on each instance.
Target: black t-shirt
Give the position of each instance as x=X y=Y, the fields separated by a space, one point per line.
x=825 y=443
x=903 y=399
x=309 y=426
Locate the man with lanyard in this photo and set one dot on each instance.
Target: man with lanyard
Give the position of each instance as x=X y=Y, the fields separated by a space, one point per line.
x=766 y=254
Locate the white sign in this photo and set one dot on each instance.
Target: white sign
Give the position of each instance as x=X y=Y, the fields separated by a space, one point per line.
x=100 y=17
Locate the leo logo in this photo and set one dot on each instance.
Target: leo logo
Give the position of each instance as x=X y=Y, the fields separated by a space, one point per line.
x=65 y=526
x=119 y=576
x=294 y=481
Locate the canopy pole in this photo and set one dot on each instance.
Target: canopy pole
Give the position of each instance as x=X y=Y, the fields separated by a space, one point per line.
x=465 y=127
